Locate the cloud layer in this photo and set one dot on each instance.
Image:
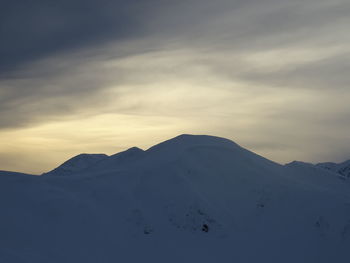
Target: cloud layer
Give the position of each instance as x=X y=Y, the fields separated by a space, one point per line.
x=271 y=75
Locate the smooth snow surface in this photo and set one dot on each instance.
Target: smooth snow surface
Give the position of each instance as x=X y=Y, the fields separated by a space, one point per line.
x=189 y=199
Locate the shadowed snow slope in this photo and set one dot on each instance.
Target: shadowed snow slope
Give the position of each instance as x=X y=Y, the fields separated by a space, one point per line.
x=343 y=169
x=189 y=199
x=77 y=164
x=13 y=173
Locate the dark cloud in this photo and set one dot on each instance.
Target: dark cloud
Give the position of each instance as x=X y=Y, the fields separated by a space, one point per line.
x=34 y=29
x=30 y=30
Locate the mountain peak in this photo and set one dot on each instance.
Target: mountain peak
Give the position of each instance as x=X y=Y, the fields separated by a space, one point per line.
x=188 y=140
x=132 y=150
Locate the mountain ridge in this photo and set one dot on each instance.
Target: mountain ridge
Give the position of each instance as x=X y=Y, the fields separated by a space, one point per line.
x=209 y=198
x=84 y=161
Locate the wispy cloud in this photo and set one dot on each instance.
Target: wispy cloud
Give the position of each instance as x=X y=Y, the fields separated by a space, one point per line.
x=272 y=75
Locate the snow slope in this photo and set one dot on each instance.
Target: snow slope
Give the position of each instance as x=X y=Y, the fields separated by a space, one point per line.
x=13 y=173
x=343 y=169
x=78 y=163
x=189 y=199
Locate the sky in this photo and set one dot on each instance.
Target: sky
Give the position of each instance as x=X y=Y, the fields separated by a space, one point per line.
x=101 y=76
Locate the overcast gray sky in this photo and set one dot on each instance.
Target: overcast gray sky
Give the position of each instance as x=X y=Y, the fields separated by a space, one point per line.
x=102 y=76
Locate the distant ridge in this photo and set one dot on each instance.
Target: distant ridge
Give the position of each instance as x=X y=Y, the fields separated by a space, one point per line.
x=14 y=173
x=343 y=169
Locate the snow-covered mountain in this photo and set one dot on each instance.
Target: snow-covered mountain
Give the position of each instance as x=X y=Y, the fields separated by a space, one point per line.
x=77 y=164
x=343 y=169
x=189 y=199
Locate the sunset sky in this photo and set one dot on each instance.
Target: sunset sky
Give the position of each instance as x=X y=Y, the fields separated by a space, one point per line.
x=101 y=76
